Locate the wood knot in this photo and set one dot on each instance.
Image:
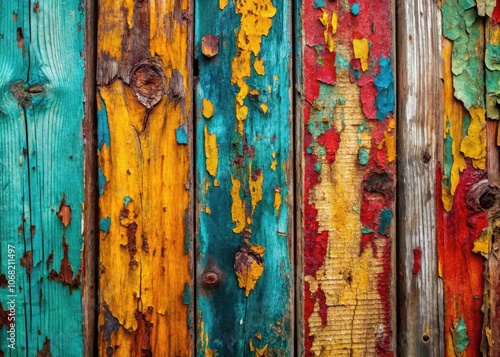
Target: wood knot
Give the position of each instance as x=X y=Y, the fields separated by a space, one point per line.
x=148 y=82
x=484 y=197
x=211 y=278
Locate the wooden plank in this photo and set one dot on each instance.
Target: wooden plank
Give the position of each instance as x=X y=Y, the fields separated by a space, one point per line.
x=349 y=177
x=144 y=107
x=44 y=129
x=244 y=178
x=487 y=196
x=14 y=178
x=420 y=108
x=463 y=167
x=90 y=262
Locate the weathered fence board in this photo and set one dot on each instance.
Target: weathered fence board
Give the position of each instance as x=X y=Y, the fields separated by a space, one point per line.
x=462 y=168
x=349 y=185
x=244 y=178
x=420 y=291
x=144 y=121
x=41 y=117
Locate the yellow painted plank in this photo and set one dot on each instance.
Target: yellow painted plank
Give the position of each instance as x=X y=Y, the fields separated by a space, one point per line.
x=144 y=106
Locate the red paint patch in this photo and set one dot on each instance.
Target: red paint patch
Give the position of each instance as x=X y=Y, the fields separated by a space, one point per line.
x=495 y=16
x=142 y=340
x=462 y=269
x=417 y=264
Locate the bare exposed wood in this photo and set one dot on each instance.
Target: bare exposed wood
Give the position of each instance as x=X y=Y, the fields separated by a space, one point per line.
x=420 y=111
x=90 y=210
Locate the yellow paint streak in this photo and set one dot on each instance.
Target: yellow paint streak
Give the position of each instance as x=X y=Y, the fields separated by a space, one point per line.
x=255 y=187
x=237 y=206
x=256 y=21
x=277 y=201
x=474 y=144
x=335 y=21
x=390 y=140
x=211 y=152
x=258 y=65
x=361 y=49
x=149 y=166
x=453 y=126
x=207 y=108
x=249 y=275
x=482 y=244
x=348 y=278
x=223 y=4
x=264 y=107
x=262 y=352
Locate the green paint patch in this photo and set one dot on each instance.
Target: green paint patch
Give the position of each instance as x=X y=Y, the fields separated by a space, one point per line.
x=448 y=158
x=355 y=9
x=341 y=62
x=186 y=300
x=459 y=336
x=101 y=181
x=366 y=231
x=126 y=200
x=105 y=224
x=462 y=25
x=319 y=4
x=181 y=135
x=363 y=156
x=321 y=117
x=317 y=167
x=384 y=221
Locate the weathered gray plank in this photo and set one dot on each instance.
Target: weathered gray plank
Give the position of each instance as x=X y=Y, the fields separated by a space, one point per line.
x=420 y=111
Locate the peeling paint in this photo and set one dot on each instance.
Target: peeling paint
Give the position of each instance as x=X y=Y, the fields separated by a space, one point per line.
x=249 y=267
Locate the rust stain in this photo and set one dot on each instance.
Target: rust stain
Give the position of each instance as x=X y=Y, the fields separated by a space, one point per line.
x=65 y=275
x=45 y=352
x=64 y=212
x=3 y=281
x=142 y=341
x=210 y=45
x=132 y=242
x=249 y=267
x=20 y=40
x=50 y=259
x=27 y=261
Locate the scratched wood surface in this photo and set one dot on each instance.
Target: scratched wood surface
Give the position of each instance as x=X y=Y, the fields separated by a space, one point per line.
x=349 y=177
x=144 y=108
x=244 y=183
x=41 y=117
x=420 y=291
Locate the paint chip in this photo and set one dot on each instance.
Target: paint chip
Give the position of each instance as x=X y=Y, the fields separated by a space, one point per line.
x=207 y=108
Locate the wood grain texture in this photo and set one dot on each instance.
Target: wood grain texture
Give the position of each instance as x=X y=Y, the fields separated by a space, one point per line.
x=41 y=115
x=244 y=178
x=144 y=105
x=90 y=262
x=460 y=174
x=420 y=108
x=349 y=177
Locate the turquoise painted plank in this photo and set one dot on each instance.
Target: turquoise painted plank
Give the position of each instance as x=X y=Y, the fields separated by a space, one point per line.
x=50 y=109
x=14 y=195
x=236 y=159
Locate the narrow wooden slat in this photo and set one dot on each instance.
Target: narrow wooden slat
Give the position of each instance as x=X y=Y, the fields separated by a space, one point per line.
x=349 y=177
x=49 y=95
x=420 y=291
x=90 y=261
x=463 y=169
x=244 y=178
x=488 y=196
x=14 y=208
x=144 y=107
